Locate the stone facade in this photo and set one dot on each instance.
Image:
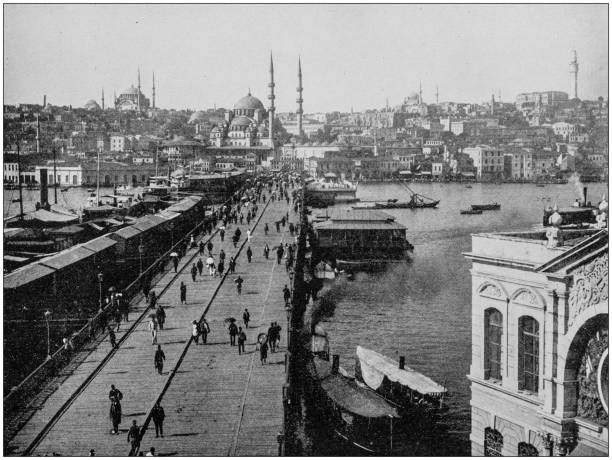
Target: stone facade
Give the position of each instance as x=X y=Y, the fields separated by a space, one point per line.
x=539 y=336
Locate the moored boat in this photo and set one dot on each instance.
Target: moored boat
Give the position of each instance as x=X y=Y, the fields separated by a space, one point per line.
x=486 y=207
x=470 y=211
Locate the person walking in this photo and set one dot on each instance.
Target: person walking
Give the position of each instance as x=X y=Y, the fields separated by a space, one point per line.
x=222 y=234
x=266 y=229
x=277 y=337
x=175 y=263
x=152 y=300
x=249 y=235
x=233 y=331
x=209 y=246
x=271 y=340
x=195 y=331
x=277 y=226
x=222 y=255
x=115 y=393
x=232 y=265
x=160 y=314
x=279 y=254
x=133 y=437
x=239 y=282
x=201 y=248
x=220 y=268
x=200 y=266
x=246 y=317
x=204 y=330
x=124 y=307
x=249 y=254
x=235 y=240
x=266 y=251
x=194 y=272
x=241 y=340
x=183 y=293
x=146 y=287
x=159 y=359
x=263 y=353
x=115 y=414
x=158 y=416
x=286 y=294
x=153 y=329
x=112 y=338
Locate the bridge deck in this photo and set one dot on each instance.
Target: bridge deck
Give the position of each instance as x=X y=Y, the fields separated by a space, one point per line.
x=219 y=403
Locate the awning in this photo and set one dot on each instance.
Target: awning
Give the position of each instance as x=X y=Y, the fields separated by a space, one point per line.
x=584 y=450
x=26 y=275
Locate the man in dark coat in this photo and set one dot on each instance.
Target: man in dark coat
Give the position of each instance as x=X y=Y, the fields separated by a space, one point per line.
x=158 y=416
x=249 y=254
x=233 y=331
x=134 y=438
x=279 y=254
x=159 y=359
x=200 y=266
x=241 y=340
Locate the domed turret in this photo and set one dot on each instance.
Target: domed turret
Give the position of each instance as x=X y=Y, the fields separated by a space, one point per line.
x=92 y=105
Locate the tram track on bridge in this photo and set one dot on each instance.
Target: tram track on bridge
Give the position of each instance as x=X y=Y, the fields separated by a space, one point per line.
x=57 y=416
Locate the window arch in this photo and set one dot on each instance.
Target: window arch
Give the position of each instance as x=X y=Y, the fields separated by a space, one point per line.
x=493 y=443
x=494 y=327
x=529 y=354
x=527 y=450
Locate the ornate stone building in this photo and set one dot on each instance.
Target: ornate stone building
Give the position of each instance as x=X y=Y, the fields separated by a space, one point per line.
x=539 y=372
x=133 y=98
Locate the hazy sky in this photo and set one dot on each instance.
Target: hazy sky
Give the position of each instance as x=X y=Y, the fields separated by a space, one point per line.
x=352 y=55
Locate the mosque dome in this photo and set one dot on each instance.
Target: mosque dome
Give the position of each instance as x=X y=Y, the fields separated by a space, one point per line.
x=92 y=105
x=130 y=90
x=412 y=98
x=248 y=102
x=200 y=115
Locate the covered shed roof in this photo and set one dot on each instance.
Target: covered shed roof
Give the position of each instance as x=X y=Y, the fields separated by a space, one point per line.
x=26 y=275
x=68 y=257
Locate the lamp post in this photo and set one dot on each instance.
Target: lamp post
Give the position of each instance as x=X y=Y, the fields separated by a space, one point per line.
x=100 y=278
x=47 y=315
x=140 y=253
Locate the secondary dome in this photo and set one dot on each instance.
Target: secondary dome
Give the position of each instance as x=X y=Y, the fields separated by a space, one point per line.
x=241 y=121
x=248 y=102
x=92 y=105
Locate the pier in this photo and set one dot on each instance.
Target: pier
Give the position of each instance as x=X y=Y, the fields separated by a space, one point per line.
x=216 y=401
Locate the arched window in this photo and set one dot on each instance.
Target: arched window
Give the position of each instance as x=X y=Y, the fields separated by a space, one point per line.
x=74 y=179
x=527 y=450
x=493 y=443
x=493 y=342
x=529 y=351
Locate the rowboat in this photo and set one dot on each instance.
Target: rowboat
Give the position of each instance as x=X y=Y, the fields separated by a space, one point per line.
x=470 y=211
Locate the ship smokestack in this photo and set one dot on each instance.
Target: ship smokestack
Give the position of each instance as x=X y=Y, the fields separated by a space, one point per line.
x=584 y=196
x=402 y=362
x=335 y=363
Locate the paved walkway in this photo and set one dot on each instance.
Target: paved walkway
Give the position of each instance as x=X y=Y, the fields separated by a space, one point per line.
x=222 y=403
x=86 y=424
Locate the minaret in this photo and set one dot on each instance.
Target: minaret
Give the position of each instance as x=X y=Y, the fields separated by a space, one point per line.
x=492 y=104
x=115 y=98
x=299 y=100
x=574 y=77
x=271 y=97
x=38 y=136
x=437 y=95
x=138 y=90
x=153 y=93
x=420 y=93
x=102 y=98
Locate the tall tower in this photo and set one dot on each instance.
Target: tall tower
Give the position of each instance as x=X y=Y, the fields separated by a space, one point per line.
x=38 y=136
x=138 y=101
x=420 y=93
x=102 y=98
x=271 y=96
x=153 y=93
x=574 y=76
x=492 y=104
x=437 y=95
x=299 y=100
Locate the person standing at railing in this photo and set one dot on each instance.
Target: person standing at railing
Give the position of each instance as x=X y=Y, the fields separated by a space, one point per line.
x=134 y=438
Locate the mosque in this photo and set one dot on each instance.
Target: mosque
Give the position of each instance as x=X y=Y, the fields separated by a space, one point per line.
x=131 y=99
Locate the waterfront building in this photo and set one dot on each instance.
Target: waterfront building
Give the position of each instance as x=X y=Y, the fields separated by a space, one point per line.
x=488 y=161
x=10 y=172
x=179 y=150
x=85 y=173
x=564 y=129
x=539 y=371
x=119 y=143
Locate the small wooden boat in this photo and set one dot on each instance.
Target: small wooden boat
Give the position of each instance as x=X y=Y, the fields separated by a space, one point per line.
x=487 y=207
x=470 y=211
x=63 y=189
x=540 y=185
x=468 y=186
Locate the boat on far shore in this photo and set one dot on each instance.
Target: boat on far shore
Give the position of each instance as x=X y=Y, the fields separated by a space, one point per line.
x=470 y=211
